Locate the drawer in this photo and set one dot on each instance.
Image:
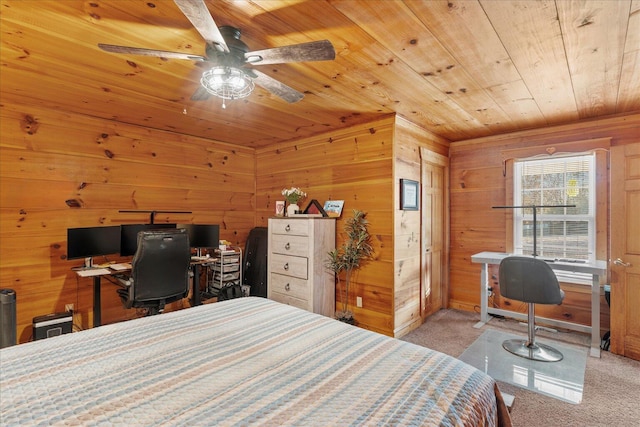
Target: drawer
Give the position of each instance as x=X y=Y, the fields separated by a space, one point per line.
x=295 y=302
x=290 y=245
x=291 y=286
x=290 y=227
x=288 y=265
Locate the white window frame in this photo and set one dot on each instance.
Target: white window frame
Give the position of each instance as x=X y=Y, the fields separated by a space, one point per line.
x=521 y=215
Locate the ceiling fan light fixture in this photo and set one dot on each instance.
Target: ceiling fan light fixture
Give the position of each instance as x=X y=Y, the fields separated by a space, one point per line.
x=227 y=82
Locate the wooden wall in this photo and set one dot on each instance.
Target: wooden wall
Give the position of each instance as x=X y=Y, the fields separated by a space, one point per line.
x=477 y=183
x=362 y=165
x=354 y=165
x=409 y=138
x=48 y=157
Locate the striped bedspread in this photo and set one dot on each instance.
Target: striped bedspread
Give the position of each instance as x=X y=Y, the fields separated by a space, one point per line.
x=247 y=361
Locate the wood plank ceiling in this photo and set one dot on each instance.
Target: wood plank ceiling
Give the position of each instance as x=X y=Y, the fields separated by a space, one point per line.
x=459 y=68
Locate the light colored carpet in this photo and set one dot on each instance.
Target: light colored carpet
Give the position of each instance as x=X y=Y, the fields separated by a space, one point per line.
x=611 y=393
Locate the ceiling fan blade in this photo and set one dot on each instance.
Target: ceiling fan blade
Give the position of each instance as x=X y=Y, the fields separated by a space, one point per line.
x=149 y=52
x=196 y=12
x=313 y=51
x=275 y=87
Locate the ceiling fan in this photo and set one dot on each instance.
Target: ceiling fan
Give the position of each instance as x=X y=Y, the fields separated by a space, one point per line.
x=229 y=77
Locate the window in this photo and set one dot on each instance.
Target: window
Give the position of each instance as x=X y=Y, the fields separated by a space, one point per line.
x=561 y=232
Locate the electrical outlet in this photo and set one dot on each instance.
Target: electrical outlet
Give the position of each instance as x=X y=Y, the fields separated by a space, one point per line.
x=68 y=308
x=359 y=302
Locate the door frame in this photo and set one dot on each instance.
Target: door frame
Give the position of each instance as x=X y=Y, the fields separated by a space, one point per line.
x=439 y=160
x=622 y=341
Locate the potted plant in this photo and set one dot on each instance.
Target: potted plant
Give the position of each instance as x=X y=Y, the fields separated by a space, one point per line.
x=293 y=196
x=348 y=257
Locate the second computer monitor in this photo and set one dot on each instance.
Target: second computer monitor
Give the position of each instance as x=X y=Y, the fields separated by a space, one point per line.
x=202 y=235
x=87 y=242
x=129 y=236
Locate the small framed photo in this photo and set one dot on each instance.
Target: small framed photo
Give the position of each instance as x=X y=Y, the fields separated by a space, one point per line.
x=409 y=195
x=333 y=208
x=279 y=207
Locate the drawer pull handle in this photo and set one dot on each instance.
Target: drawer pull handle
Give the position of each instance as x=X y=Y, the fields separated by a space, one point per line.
x=287 y=246
x=287 y=228
x=287 y=287
x=286 y=267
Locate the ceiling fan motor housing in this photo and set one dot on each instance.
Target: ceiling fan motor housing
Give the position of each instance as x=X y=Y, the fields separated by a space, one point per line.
x=236 y=46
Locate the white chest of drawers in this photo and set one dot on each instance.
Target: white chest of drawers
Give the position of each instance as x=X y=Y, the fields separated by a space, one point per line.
x=297 y=252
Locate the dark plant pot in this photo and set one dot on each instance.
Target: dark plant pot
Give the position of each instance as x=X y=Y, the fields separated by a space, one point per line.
x=350 y=320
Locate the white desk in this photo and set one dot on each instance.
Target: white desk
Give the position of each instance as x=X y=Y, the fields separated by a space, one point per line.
x=597 y=269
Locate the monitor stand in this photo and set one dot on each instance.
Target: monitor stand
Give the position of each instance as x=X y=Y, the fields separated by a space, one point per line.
x=88 y=262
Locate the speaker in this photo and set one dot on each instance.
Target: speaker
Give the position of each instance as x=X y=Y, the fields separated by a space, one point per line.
x=8 y=331
x=52 y=325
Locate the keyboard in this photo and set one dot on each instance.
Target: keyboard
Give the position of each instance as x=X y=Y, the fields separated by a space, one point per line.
x=569 y=260
x=93 y=272
x=121 y=266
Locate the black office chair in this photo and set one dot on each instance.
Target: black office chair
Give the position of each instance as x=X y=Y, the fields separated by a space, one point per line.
x=159 y=270
x=530 y=280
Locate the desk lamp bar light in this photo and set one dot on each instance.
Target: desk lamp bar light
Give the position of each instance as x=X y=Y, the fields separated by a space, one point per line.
x=535 y=221
x=152 y=214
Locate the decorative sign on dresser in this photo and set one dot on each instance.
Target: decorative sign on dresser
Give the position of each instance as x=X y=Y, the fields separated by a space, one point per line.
x=297 y=253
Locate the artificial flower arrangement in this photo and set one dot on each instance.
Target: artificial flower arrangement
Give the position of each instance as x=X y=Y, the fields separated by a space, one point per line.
x=293 y=195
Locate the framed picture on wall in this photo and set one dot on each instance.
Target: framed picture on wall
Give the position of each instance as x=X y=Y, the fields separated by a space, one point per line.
x=409 y=195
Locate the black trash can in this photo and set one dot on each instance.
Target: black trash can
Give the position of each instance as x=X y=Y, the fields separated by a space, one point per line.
x=8 y=327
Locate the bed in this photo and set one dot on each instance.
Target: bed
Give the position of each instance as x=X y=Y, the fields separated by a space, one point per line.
x=246 y=361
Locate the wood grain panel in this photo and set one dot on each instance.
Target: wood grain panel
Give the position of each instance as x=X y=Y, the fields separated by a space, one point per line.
x=356 y=169
x=48 y=157
x=630 y=76
x=461 y=69
x=409 y=142
x=475 y=227
x=594 y=63
x=424 y=52
x=494 y=70
x=532 y=36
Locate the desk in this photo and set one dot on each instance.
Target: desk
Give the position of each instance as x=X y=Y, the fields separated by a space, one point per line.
x=97 y=302
x=597 y=269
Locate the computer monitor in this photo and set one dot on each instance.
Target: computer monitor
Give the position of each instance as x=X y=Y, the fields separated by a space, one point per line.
x=202 y=235
x=87 y=242
x=129 y=236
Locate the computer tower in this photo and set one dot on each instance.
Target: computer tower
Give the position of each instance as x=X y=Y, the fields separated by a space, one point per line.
x=51 y=325
x=254 y=273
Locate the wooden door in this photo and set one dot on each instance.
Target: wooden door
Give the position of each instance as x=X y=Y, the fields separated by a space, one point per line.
x=625 y=250
x=435 y=234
